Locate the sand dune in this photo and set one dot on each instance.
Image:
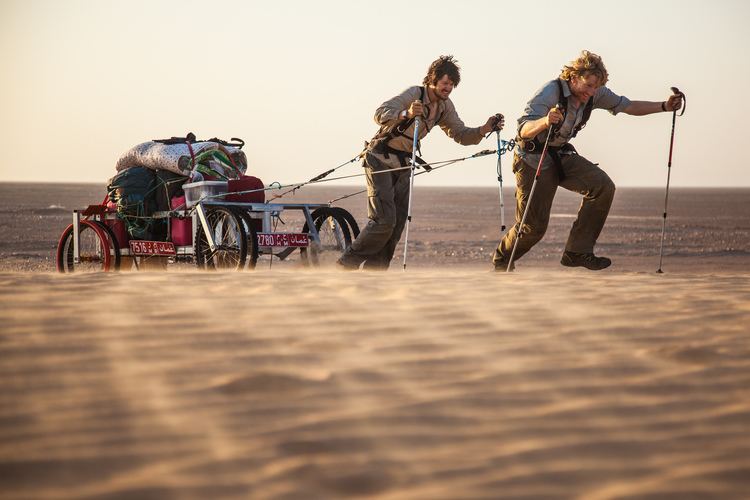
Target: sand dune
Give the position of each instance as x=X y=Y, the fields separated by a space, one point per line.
x=433 y=384
x=443 y=382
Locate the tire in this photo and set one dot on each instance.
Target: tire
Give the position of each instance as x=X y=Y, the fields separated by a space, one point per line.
x=335 y=237
x=95 y=252
x=228 y=232
x=350 y=220
x=251 y=237
x=113 y=244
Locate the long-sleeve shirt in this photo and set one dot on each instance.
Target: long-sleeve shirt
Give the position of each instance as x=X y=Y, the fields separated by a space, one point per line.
x=388 y=115
x=546 y=98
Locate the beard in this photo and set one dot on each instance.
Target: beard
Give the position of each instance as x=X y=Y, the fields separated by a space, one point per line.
x=443 y=96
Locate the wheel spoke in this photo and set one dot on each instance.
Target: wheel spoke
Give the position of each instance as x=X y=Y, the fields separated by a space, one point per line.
x=95 y=253
x=228 y=233
x=334 y=235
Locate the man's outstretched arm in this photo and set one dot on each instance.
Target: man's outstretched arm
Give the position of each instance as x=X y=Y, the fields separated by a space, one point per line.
x=640 y=108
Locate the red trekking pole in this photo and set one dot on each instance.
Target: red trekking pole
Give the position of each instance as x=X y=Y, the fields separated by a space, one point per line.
x=519 y=232
x=675 y=91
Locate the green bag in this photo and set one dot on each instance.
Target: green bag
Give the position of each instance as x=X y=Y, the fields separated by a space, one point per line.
x=133 y=190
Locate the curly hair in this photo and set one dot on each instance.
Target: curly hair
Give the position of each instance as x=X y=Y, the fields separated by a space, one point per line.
x=444 y=65
x=586 y=64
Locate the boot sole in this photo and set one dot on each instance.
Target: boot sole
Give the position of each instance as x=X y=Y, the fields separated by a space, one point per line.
x=566 y=264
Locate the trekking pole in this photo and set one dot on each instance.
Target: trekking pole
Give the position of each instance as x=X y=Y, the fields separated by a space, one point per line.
x=500 y=180
x=675 y=91
x=411 y=184
x=531 y=195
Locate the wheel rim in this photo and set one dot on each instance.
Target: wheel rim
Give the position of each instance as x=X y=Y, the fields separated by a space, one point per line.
x=114 y=246
x=94 y=250
x=229 y=239
x=334 y=238
x=251 y=237
x=351 y=222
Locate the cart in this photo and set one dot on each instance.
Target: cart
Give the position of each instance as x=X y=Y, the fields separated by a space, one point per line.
x=207 y=231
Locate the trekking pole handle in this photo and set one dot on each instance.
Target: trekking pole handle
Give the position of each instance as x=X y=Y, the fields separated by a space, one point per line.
x=680 y=93
x=555 y=127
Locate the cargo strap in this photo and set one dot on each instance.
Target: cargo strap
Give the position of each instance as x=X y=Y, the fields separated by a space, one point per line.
x=192 y=155
x=234 y=142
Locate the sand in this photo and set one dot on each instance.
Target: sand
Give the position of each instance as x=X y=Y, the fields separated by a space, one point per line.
x=447 y=381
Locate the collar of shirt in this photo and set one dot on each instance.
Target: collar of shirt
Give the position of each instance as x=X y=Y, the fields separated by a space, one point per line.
x=439 y=108
x=566 y=89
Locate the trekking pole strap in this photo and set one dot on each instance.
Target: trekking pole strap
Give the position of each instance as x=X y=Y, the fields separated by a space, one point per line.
x=678 y=92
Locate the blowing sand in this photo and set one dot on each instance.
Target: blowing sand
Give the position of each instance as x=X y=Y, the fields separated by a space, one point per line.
x=444 y=382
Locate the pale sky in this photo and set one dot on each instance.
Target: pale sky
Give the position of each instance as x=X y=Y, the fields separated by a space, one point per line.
x=299 y=81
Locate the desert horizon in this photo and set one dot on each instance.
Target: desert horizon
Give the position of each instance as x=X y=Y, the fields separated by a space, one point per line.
x=707 y=228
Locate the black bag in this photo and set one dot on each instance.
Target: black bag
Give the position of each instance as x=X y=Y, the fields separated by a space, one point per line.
x=133 y=190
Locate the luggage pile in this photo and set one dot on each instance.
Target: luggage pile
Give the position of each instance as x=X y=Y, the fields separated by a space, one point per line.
x=150 y=178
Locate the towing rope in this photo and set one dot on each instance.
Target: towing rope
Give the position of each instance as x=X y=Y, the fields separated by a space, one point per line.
x=436 y=165
x=317 y=177
x=507 y=146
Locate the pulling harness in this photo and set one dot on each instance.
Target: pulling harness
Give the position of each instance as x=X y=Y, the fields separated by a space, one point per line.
x=379 y=143
x=535 y=146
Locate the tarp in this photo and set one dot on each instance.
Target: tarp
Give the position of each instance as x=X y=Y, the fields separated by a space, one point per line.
x=210 y=158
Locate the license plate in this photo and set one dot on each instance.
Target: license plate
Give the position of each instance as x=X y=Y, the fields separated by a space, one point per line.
x=144 y=247
x=283 y=240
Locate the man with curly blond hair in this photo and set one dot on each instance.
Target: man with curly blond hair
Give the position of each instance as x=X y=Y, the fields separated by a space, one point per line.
x=578 y=90
x=389 y=154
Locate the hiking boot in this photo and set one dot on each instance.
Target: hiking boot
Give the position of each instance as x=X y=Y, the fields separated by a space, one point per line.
x=502 y=267
x=587 y=260
x=342 y=264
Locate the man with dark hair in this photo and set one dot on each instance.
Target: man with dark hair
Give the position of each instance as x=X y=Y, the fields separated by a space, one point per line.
x=388 y=189
x=579 y=89
x=444 y=65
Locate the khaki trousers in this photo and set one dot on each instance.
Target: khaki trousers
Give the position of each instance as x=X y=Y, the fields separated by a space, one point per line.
x=387 y=207
x=580 y=176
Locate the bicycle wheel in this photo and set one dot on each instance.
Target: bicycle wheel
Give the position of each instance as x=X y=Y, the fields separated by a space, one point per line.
x=350 y=220
x=252 y=237
x=334 y=234
x=113 y=244
x=94 y=249
x=230 y=241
